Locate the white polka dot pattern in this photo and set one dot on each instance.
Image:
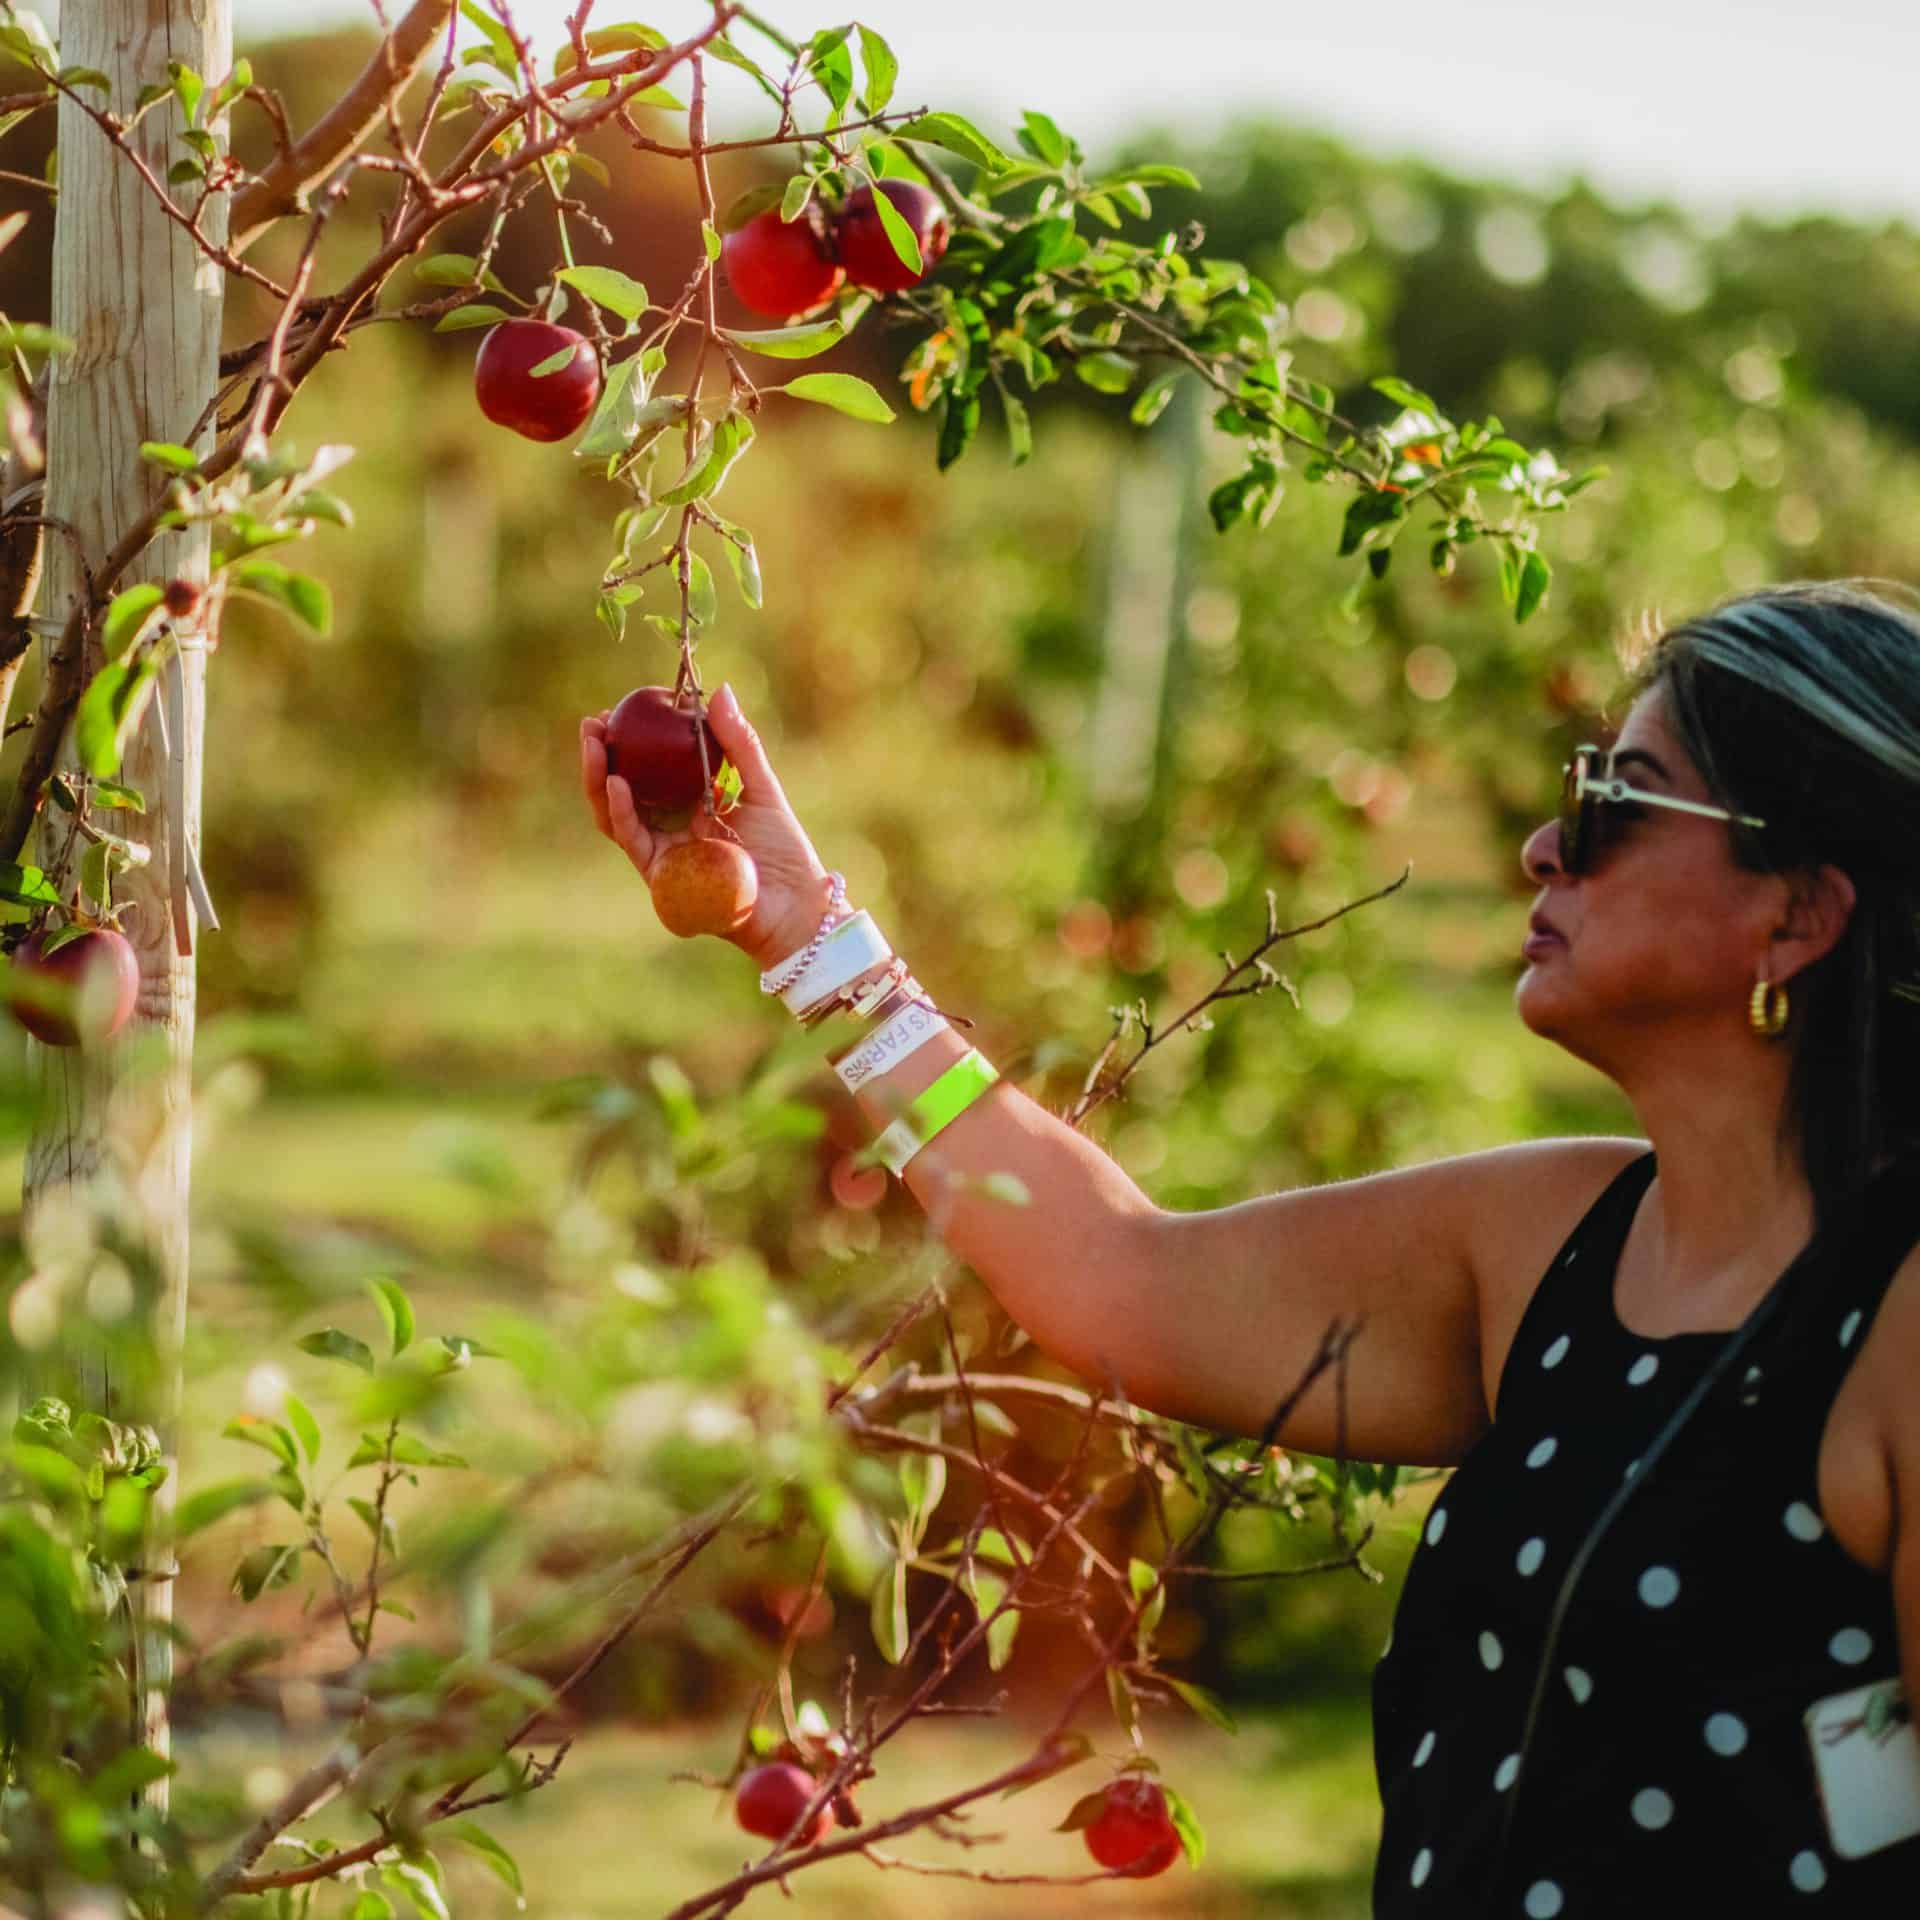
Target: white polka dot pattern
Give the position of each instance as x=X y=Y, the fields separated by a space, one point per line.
x=1802 y=1522
x=1543 y=1451
x=1726 y=1734
x=1506 y=1773
x=1529 y=1557
x=1652 y=1809
x=1850 y=1646
x=1422 y=1866
x=1544 y=1900
x=1642 y=1370
x=1580 y=1684
x=1424 y=1751
x=1436 y=1525
x=1556 y=1353
x=1807 y=1872
x=1659 y=1587
x=1849 y=1327
x=1491 y=1652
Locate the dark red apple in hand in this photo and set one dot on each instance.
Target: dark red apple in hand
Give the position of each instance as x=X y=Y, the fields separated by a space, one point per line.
x=84 y=991
x=779 y=267
x=543 y=406
x=1134 y=1832
x=867 y=253
x=769 y=1798
x=654 y=746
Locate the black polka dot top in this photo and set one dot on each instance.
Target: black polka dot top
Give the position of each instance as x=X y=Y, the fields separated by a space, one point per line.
x=1670 y=1763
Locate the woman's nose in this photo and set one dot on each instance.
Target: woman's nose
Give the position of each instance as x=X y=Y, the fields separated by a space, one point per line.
x=1540 y=852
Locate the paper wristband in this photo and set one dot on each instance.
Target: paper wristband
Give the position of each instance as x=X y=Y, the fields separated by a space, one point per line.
x=846 y=953
x=934 y=1108
x=886 y=1047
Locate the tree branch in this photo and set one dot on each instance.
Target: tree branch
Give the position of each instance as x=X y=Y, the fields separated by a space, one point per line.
x=339 y=132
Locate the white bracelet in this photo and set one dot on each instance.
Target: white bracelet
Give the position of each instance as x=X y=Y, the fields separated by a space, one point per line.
x=845 y=954
x=907 y=1031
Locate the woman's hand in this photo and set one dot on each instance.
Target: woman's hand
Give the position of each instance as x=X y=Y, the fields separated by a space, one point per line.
x=793 y=883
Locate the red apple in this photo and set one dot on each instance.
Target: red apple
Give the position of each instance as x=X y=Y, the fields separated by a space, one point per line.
x=769 y=1798
x=543 y=406
x=654 y=746
x=704 y=886
x=1134 y=1831
x=82 y=992
x=779 y=267
x=867 y=253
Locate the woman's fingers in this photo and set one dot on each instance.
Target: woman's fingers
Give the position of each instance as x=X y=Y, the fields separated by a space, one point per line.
x=758 y=782
x=629 y=831
x=593 y=772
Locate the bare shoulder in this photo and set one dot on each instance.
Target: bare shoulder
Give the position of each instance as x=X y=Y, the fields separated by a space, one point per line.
x=1870 y=1453
x=1527 y=1199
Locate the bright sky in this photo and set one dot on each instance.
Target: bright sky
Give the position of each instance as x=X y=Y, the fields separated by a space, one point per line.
x=1774 y=105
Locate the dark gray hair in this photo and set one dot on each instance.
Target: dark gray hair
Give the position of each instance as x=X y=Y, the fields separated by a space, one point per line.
x=1800 y=705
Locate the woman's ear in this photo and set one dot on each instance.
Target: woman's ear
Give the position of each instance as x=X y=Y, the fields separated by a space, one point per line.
x=1819 y=906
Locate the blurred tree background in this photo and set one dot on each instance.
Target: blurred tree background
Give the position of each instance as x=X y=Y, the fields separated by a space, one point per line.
x=1062 y=739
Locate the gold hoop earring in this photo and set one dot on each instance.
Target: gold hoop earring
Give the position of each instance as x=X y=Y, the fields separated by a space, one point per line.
x=1767 y=1009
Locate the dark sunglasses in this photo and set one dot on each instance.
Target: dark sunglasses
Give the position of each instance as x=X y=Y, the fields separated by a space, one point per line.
x=1586 y=787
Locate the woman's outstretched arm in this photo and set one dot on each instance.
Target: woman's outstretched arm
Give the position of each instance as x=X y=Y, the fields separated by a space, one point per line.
x=1209 y=1317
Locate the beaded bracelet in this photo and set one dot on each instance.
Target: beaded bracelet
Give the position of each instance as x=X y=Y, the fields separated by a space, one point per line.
x=779 y=979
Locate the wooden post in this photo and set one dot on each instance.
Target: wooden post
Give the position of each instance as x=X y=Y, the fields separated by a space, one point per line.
x=142 y=304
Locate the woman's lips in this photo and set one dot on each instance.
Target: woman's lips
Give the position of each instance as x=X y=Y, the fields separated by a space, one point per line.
x=1541 y=939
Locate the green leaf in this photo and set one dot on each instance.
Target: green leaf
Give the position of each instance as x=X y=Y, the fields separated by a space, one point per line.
x=86 y=77
x=608 y=288
x=555 y=362
x=306 y=598
x=1535 y=578
x=371 y=1905
x=1208 y=1706
x=788 y=343
x=477 y=315
x=799 y=190
x=744 y=559
x=1366 y=515
x=126 y=1774
x=456 y=270
x=30 y=337
x=331 y=1344
x=108 y=793
x=880 y=67
x=1043 y=139
x=200 y=1510
x=268 y=1435
x=375 y=1522
x=615 y=415
x=317 y=504
x=1153 y=399
x=300 y=1419
x=754 y=202
x=468 y=1833
x=959 y=422
x=1107 y=372
x=1019 y=426
x=731 y=438
x=887 y=1613
x=832 y=66
x=110 y=711
x=396 y=1311
x=409 y=1450
x=25 y=886
x=1084 y=1812
x=1398 y=391
x=191 y=168
x=959 y=136
x=1193 y=1840
x=703 y=598
x=188 y=88
x=163 y=453
x=844 y=392
x=900 y=236
x=129 y=616
x=264 y=1569
x=710 y=239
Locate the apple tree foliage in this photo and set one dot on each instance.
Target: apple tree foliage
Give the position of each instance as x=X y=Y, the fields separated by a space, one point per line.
x=670 y=1413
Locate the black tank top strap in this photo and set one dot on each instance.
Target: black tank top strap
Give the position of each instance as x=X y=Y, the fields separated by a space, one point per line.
x=1585 y=1261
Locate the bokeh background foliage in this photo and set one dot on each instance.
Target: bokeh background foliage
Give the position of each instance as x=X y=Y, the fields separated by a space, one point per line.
x=1062 y=739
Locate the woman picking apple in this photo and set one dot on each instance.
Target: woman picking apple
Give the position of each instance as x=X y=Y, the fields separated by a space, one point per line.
x=1651 y=1650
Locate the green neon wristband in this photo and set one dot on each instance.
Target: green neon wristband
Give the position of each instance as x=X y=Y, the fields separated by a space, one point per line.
x=935 y=1107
